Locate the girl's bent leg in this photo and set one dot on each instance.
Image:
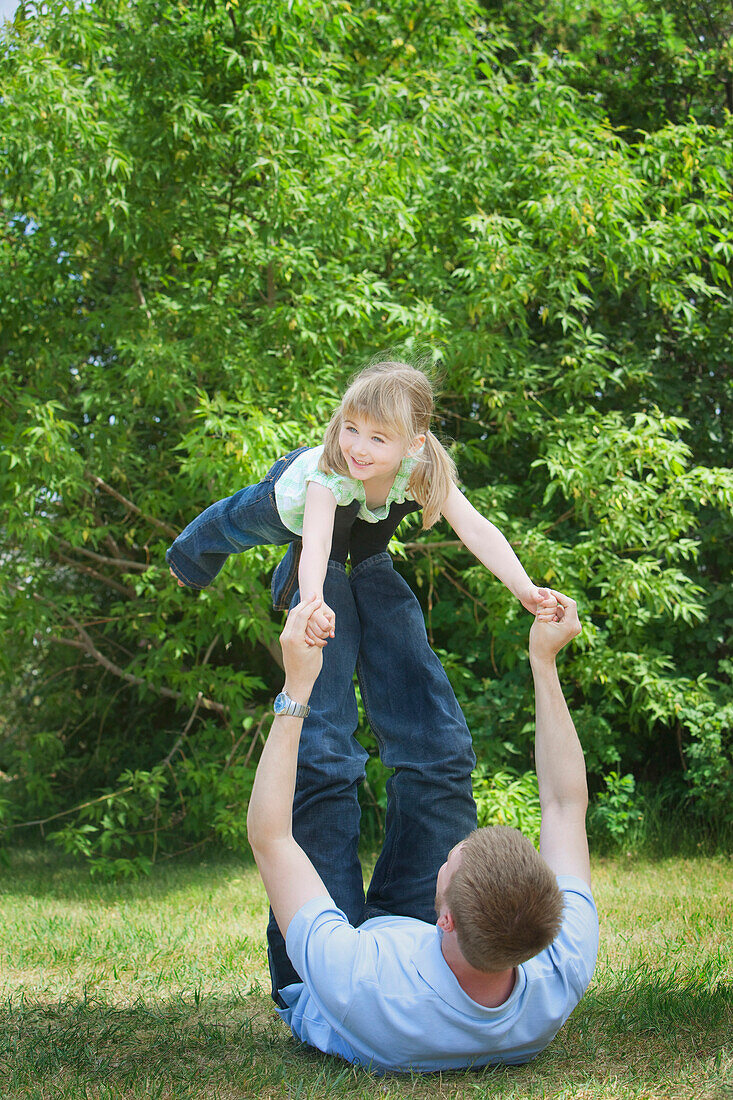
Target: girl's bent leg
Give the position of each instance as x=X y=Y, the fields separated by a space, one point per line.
x=326 y=814
x=248 y=518
x=421 y=733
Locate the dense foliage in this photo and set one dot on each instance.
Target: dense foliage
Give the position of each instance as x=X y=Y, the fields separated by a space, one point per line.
x=212 y=214
x=647 y=62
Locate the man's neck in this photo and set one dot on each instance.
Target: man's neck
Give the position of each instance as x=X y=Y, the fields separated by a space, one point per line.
x=488 y=988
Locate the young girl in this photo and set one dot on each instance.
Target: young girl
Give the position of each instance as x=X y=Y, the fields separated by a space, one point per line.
x=378 y=461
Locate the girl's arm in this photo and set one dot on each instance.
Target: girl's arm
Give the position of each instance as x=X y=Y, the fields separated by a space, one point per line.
x=318 y=517
x=491 y=548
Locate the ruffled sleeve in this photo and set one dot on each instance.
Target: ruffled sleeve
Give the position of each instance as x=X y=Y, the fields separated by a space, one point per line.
x=345 y=489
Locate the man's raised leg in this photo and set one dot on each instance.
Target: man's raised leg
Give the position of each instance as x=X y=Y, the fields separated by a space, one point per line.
x=421 y=733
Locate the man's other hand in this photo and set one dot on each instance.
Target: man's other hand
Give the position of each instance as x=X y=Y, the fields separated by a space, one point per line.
x=547 y=638
x=302 y=661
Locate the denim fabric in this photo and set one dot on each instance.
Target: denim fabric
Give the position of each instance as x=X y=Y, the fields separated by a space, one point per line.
x=248 y=518
x=421 y=733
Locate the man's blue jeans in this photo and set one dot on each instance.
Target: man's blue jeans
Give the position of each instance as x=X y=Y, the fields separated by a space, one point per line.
x=421 y=733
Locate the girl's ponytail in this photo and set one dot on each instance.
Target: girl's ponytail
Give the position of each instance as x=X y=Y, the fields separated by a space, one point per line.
x=432 y=479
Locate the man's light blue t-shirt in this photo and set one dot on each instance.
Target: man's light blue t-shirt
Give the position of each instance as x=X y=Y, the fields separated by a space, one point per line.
x=382 y=995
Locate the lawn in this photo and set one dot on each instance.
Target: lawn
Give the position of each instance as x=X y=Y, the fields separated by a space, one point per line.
x=158 y=988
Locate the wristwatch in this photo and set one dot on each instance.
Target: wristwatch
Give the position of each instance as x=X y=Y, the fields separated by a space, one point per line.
x=288 y=708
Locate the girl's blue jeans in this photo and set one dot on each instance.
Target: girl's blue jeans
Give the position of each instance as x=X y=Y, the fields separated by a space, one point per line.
x=421 y=734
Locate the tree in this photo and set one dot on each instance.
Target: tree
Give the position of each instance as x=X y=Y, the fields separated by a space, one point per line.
x=211 y=218
x=647 y=62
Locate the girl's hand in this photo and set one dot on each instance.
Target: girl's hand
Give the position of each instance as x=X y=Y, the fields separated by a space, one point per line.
x=549 y=610
x=539 y=601
x=321 y=626
x=177 y=579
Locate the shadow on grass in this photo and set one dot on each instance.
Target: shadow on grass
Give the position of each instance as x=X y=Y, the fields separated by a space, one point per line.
x=631 y=1032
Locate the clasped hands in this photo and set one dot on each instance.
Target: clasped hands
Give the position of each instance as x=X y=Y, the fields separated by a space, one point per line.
x=321 y=624
x=541 y=602
x=546 y=608
x=303 y=657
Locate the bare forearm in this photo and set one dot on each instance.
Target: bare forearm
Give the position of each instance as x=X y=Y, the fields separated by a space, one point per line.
x=558 y=754
x=289 y=877
x=492 y=549
x=270 y=813
x=269 y=817
x=312 y=567
x=318 y=519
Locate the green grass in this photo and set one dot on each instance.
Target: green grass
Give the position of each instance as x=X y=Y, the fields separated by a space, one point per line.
x=158 y=988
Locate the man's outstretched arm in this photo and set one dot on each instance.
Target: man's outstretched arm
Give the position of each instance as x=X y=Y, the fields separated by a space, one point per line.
x=289 y=876
x=558 y=755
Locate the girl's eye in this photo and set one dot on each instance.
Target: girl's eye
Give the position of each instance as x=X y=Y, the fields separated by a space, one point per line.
x=377 y=439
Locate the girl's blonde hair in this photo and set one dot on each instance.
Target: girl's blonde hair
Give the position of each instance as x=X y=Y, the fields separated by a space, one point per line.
x=399 y=398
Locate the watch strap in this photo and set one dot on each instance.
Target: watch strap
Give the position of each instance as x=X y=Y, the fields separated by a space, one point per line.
x=286 y=707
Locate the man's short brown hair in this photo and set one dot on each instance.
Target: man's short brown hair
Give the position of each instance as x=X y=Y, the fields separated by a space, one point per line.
x=504 y=899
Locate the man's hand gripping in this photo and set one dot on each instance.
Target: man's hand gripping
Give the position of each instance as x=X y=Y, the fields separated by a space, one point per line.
x=321 y=625
x=302 y=658
x=556 y=623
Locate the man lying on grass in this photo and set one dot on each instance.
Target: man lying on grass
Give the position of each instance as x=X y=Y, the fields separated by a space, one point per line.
x=517 y=932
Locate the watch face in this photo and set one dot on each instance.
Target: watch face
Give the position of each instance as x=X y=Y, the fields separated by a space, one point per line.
x=280 y=703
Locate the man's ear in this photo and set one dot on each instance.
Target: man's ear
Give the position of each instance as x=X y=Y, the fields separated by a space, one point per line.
x=445 y=921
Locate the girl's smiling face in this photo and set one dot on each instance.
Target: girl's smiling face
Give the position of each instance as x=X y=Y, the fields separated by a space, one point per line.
x=371 y=452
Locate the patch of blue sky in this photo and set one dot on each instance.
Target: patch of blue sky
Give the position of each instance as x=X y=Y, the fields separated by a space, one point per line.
x=7 y=9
